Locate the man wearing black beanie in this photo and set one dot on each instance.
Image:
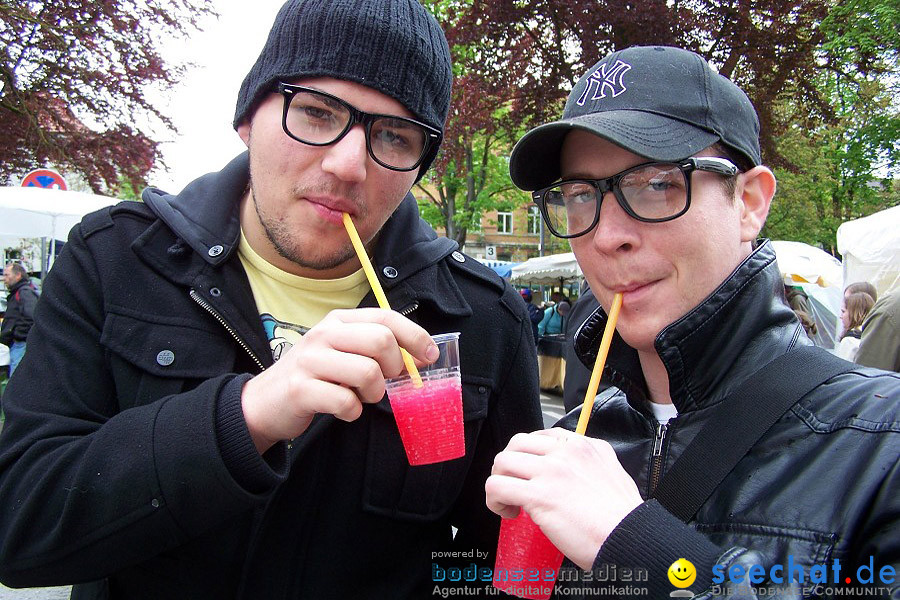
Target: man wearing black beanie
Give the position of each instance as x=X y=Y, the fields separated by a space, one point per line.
x=204 y=415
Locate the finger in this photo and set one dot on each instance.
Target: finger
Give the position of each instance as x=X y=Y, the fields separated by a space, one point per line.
x=522 y=465
x=370 y=340
x=536 y=442
x=506 y=495
x=329 y=398
x=558 y=433
x=410 y=336
x=362 y=374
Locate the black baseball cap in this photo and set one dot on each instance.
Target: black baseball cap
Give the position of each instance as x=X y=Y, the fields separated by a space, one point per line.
x=659 y=102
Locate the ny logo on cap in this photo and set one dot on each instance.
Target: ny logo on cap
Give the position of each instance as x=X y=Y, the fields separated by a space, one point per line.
x=601 y=80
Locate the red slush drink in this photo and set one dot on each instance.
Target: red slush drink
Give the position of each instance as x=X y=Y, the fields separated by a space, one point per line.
x=430 y=418
x=527 y=561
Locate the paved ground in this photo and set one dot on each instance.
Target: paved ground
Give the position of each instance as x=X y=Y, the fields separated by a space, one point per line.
x=552 y=405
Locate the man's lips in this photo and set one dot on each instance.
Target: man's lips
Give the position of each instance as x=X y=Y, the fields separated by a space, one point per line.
x=331 y=209
x=633 y=291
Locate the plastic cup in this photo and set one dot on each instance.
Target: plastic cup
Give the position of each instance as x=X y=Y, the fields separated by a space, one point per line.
x=430 y=418
x=527 y=561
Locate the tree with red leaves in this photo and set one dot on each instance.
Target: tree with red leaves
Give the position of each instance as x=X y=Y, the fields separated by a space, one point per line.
x=516 y=61
x=74 y=78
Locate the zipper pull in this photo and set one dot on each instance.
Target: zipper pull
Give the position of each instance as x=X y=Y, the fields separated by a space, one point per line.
x=661 y=429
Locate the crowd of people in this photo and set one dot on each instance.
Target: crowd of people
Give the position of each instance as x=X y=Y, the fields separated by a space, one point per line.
x=204 y=414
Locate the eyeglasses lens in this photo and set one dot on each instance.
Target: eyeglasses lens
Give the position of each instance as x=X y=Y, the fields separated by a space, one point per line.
x=319 y=119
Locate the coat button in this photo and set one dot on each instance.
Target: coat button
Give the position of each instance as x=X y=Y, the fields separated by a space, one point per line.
x=216 y=250
x=165 y=358
x=482 y=389
x=154 y=503
x=458 y=256
x=390 y=272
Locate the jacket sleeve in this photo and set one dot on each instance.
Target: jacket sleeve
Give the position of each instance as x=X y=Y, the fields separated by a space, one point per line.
x=6 y=329
x=89 y=488
x=25 y=319
x=880 y=343
x=514 y=407
x=650 y=539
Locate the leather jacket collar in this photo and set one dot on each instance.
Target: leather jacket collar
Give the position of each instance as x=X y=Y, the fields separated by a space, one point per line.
x=741 y=326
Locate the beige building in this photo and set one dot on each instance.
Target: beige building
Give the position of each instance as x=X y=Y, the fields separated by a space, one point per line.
x=514 y=236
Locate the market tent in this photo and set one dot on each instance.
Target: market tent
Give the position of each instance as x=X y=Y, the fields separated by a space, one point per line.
x=870 y=248
x=554 y=269
x=820 y=276
x=33 y=212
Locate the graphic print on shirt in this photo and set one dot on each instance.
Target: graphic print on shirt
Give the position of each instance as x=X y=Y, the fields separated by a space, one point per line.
x=281 y=334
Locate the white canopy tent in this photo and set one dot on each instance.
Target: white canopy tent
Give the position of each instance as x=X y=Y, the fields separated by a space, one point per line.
x=554 y=269
x=870 y=248
x=42 y=212
x=33 y=212
x=820 y=276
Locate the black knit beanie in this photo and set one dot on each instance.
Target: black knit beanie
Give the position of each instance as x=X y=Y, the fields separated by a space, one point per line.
x=393 y=46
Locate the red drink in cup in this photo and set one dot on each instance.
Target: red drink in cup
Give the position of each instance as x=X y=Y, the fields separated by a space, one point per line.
x=430 y=418
x=527 y=561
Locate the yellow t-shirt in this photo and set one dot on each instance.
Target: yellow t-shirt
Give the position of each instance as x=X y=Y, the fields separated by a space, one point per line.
x=289 y=305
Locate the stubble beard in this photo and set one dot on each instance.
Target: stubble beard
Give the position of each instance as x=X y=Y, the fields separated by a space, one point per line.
x=283 y=240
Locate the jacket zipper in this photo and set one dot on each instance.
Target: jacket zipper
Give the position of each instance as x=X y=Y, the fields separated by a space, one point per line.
x=206 y=306
x=408 y=309
x=656 y=465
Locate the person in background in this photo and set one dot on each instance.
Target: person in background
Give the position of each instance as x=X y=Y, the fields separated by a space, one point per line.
x=854 y=309
x=655 y=175
x=879 y=344
x=534 y=313
x=21 y=300
x=797 y=298
x=554 y=320
x=202 y=413
x=809 y=324
x=861 y=286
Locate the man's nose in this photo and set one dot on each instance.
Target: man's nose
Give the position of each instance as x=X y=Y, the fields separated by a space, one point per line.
x=616 y=230
x=347 y=158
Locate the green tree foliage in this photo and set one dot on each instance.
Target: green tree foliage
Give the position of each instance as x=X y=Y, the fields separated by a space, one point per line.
x=818 y=72
x=471 y=175
x=845 y=159
x=73 y=82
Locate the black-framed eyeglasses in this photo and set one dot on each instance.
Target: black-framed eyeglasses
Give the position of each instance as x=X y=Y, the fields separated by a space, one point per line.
x=651 y=192
x=319 y=119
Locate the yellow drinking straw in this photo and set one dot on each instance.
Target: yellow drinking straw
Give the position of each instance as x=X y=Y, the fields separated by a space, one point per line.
x=379 y=292
x=598 y=365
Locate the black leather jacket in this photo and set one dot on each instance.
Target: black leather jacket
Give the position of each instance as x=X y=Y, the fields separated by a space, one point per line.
x=822 y=485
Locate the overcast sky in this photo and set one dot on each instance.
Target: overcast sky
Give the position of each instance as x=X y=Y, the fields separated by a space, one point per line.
x=202 y=106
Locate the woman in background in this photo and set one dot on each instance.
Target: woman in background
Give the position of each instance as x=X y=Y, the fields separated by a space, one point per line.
x=853 y=312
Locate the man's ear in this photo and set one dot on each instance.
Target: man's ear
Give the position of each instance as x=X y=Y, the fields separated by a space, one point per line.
x=755 y=190
x=244 y=131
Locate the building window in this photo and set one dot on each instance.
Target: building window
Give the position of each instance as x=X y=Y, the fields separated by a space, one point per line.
x=534 y=220
x=504 y=222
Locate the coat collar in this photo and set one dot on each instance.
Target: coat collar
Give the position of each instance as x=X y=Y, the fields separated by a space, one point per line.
x=714 y=347
x=410 y=259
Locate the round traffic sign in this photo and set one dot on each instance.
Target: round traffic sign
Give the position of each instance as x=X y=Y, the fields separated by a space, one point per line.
x=44 y=178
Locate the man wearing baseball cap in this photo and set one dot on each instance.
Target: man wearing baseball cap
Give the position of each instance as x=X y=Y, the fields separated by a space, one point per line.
x=202 y=412
x=654 y=174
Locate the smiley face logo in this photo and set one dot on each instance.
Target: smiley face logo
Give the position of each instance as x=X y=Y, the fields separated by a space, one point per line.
x=682 y=573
